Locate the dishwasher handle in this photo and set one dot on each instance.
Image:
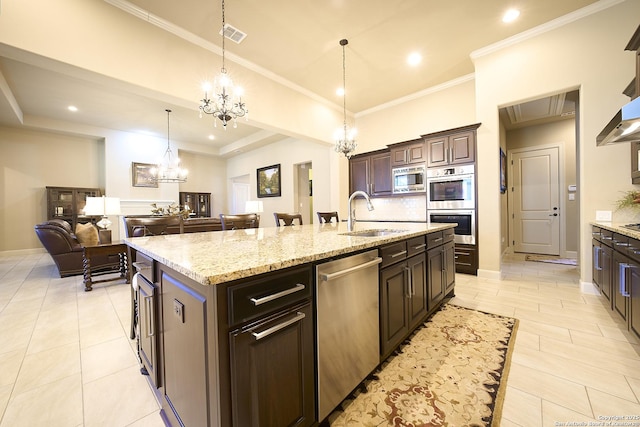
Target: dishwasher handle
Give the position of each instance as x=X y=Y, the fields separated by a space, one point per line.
x=331 y=276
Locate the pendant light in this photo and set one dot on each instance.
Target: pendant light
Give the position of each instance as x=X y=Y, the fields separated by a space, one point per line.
x=226 y=103
x=345 y=137
x=168 y=170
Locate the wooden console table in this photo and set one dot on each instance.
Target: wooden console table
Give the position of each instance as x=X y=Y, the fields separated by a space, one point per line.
x=115 y=248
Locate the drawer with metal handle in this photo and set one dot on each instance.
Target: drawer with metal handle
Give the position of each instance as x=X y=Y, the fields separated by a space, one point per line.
x=261 y=296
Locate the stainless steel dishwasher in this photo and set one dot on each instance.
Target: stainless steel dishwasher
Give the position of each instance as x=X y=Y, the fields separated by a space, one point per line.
x=348 y=326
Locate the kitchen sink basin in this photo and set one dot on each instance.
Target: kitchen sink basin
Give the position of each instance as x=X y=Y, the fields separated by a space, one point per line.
x=373 y=233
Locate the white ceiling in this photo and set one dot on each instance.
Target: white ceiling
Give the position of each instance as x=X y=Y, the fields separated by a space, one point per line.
x=295 y=40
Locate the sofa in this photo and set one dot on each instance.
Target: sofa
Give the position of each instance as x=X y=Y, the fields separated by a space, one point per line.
x=63 y=245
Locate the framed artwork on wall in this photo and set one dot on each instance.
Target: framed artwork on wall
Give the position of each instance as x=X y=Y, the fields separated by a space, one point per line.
x=503 y=172
x=141 y=175
x=268 y=181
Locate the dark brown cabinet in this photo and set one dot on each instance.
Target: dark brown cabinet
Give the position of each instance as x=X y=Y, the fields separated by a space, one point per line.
x=371 y=173
x=440 y=266
x=616 y=272
x=272 y=350
x=403 y=291
x=408 y=153
x=67 y=203
x=199 y=203
x=451 y=147
x=466 y=258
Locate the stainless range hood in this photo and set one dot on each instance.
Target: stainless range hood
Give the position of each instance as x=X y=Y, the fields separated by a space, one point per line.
x=624 y=127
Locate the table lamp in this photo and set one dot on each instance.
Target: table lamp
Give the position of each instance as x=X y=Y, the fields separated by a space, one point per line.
x=102 y=206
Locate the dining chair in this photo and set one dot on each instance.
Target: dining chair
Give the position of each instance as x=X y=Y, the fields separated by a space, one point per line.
x=287 y=219
x=239 y=221
x=327 y=216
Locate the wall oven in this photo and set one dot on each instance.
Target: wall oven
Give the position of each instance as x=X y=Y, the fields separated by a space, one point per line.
x=451 y=187
x=465 y=231
x=408 y=180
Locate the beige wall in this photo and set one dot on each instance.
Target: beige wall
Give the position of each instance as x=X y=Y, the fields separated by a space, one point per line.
x=560 y=133
x=29 y=162
x=588 y=55
x=289 y=153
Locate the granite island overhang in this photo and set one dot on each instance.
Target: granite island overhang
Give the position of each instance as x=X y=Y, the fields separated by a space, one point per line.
x=211 y=258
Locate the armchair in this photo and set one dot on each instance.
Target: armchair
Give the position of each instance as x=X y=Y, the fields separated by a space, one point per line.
x=62 y=244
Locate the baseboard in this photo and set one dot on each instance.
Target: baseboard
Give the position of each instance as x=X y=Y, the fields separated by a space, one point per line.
x=489 y=274
x=19 y=252
x=588 y=288
x=571 y=254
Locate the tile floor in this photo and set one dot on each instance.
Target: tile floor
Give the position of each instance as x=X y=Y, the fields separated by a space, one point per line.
x=66 y=359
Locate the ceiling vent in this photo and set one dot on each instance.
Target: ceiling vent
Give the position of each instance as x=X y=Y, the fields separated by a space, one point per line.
x=232 y=33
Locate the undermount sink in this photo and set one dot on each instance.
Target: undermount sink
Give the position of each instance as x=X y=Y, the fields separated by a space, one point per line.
x=373 y=233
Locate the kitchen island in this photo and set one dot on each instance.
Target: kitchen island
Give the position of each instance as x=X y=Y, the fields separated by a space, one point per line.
x=227 y=320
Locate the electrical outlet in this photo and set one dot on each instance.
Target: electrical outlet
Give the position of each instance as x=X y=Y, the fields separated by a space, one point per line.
x=603 y=215
x=178 y=310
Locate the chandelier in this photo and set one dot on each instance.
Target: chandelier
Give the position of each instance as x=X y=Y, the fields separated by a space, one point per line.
x=345 y=137
x=168 y=170
x=225 y=103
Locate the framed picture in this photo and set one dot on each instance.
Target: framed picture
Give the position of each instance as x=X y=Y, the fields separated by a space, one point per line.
x=269 y=181
x=141 y=175
x=503 y=172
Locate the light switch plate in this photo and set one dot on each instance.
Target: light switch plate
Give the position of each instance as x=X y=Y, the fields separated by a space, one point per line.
x=603 y=215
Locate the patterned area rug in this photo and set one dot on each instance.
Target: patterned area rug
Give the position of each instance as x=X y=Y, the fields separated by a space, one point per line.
x=450 y=372
x=551 y=259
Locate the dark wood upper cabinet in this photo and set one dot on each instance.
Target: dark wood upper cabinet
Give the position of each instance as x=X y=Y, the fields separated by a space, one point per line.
x=451 y=147
x=371 y=173
x=408 y=153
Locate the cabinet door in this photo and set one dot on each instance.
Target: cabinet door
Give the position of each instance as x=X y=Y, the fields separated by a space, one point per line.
x=416 y=153
x=620 y=284
x=359 y=174
x=437 y=151
x=435 y=260
x=462 y=148
x=418 y=301
x=380 y=174
x=272 y=371
x=606 y=275
x=634 y=287
x=393 y=307
x=449 y=273
x=148 y=328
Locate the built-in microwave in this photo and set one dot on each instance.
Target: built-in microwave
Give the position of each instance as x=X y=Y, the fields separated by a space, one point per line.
x=451 y=188
x=409 y=179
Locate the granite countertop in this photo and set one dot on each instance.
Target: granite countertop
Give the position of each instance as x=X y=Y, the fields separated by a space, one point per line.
x=216 y=257
x=617 y=228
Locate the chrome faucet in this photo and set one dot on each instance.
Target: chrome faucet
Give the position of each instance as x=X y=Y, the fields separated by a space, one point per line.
x=352 y=211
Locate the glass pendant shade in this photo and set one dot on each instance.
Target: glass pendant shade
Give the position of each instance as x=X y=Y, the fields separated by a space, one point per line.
x=168 y=169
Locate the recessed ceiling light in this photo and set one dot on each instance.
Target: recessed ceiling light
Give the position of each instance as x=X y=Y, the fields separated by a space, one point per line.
x=72 y=108
x=340 y=91
x=511 y=15
x=414 y=59
x=211 y=137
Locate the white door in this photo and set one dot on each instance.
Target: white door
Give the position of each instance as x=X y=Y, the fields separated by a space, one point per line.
x=536 y=209
x=240 y=195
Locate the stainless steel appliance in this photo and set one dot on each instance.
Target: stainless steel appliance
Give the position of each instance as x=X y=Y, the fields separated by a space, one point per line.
x=451 y=187
x=347 y=294
x=465 y=231
x=410 y=179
